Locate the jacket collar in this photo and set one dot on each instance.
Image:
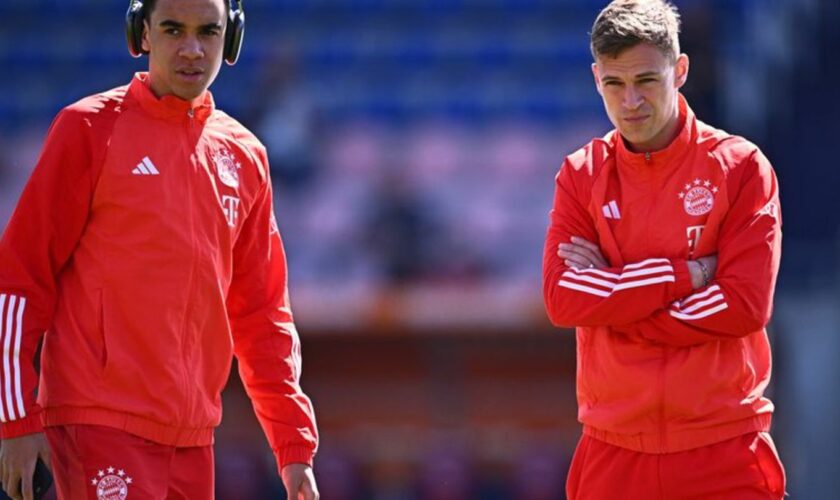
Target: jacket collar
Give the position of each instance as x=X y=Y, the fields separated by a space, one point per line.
x=655 y=160
x=169 y=106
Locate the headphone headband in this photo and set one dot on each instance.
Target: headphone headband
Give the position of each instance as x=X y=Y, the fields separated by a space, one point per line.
x=234 y=31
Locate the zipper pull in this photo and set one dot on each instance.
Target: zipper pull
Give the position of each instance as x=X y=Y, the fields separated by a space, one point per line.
x=191 y=113
x=647 y=156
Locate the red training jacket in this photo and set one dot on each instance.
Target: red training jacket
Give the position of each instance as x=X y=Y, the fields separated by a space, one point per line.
x=145 y=246
x=662 y=368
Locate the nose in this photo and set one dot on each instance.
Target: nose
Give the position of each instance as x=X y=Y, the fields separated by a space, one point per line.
x=632 y=97
x=191 y=48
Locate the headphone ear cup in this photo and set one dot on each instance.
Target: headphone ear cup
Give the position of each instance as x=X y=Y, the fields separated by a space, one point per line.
x=134 y=28
x=234 y=32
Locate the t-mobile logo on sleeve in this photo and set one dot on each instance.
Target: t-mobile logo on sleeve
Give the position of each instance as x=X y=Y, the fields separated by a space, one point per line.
x=693 y=233
x=230 y=206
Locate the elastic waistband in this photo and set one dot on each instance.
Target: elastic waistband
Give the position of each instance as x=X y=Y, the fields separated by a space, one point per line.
x=133 y=424
x=682 y=440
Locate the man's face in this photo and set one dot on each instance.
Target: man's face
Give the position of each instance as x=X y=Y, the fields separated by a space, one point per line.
x=639 y=88
x=185 y=40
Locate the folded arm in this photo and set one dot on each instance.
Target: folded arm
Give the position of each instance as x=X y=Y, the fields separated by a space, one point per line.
x=576 y=294
x=739 y=299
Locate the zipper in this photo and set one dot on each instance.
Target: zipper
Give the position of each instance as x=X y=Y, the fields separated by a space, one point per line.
x=187 y=340
x=191 y=126
x=647 y=156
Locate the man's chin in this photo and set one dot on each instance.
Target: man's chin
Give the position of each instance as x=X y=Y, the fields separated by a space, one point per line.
x=634 y=140
x=634 y=137
x=188 y=93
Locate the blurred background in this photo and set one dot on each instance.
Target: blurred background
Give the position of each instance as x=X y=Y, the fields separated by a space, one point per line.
x=413 y=147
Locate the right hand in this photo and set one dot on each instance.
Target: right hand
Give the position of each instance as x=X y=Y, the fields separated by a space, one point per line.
x=697 y=273
x=17 y=463
x=299 y=481
x=580 y=253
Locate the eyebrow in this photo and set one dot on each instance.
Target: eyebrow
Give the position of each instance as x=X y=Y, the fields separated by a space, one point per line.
x=646 y=74
x=168 y=23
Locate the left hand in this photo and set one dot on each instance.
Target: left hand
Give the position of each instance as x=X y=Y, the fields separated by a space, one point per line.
x=299 y=481
x=581 y=254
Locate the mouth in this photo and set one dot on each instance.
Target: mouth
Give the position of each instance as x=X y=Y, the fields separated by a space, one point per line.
x=636 y=119
x=190 y=74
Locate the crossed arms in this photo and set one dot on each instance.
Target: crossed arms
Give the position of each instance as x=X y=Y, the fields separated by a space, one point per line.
x=665 y=300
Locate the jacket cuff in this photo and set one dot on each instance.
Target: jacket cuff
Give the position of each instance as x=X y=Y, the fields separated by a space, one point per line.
x=294 y=455
x=30 y=424
x=682 y=280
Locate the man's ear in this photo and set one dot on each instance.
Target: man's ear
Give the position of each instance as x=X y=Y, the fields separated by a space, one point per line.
x=144 y=39
x=681 y=71
x=597 y=77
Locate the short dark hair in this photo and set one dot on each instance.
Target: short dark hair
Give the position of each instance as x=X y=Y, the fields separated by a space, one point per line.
x=149 y=6
x=626 y=23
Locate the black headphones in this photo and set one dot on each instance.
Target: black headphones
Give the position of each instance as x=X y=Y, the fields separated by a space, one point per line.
x=234 y=31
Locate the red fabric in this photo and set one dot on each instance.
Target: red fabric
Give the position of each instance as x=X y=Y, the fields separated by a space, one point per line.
x=91 y=461
x=662 y=368
x=743 y=468
x=145 y=246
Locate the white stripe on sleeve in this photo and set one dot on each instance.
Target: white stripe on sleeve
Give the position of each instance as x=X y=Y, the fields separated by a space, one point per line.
x=18 y=335
x=2 y=333
x=647 y=262
x=582 y=288
x=7 y=342
x=697 y=296
x=639 y=283
x=644 y=273
x=699 y=305
x=703 y=314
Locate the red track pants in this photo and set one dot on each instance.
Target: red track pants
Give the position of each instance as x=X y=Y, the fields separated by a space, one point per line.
x=744 y=468
x=102 y=463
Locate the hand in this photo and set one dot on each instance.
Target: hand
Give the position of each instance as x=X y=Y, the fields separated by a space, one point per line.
x=696 y=272
x=17 y=463
x=581 y=254
x=299 y=482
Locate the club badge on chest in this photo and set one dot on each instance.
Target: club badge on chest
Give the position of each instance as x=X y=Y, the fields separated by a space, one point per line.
x=698 y=197
x=227 y=168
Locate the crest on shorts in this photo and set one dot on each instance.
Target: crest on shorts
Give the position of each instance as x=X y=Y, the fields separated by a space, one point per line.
x=111 y=484
x=698 y=197
x=227 y=168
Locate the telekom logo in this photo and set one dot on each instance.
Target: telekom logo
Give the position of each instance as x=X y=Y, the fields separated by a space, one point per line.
x=230 y=205
x=693 y=233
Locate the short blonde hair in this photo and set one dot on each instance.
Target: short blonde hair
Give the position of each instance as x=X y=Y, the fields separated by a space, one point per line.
x=626 y=23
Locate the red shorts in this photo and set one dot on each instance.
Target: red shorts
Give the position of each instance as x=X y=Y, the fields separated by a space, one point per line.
x=743 y=468
x=103 y=463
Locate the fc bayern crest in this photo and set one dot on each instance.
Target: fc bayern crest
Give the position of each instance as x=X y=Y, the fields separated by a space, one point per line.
x=111 y=484
x=698 y=197
x=227 y=168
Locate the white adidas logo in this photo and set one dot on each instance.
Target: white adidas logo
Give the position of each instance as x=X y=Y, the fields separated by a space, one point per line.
x=145 y=167
x=610 y=210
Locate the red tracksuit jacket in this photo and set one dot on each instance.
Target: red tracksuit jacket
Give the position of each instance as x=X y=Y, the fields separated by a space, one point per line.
x=145 y=246
x=662 y=368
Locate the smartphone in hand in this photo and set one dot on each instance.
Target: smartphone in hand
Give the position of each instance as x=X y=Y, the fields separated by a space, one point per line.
x=42 y=480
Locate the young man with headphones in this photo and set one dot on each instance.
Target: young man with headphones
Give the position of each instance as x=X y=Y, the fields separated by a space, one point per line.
x=145 y=246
